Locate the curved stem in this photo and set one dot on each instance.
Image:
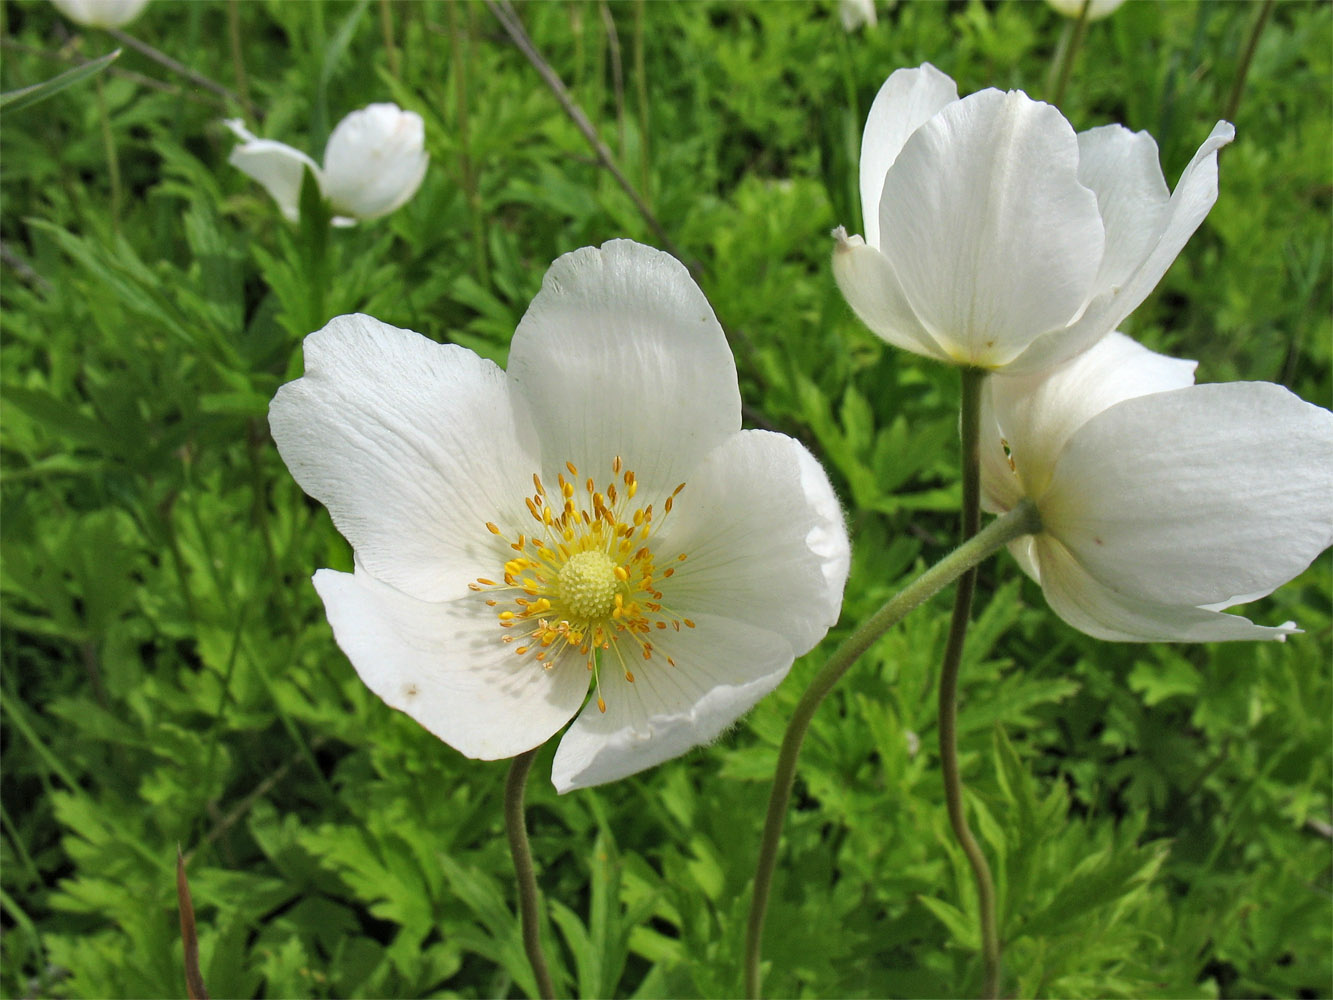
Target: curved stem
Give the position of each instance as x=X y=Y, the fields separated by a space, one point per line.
x=1022 y=520
x=1243 y=70
x=516 y=828
x=1071 y=40
x=953 y=658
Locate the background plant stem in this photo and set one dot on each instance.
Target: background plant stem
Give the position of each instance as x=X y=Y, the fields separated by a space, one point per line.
x=517 y=829
x=1071 y=40
x=953 y=657
x=1022 y=520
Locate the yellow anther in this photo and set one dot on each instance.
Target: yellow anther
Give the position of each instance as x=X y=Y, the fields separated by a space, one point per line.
x=506 y=616
x=492 y=528
x=622 y=574
x=601 y=704
x=573 y=469
x=688 y=623
x=536 y=481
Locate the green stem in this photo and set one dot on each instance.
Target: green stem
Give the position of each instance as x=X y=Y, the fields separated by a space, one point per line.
x=953 y=658
x=1022 y=520
x=112 y=159
x=516 y=827
x=1247 y=57
x=1071 y=40
x=390 y=49
x=238 y=55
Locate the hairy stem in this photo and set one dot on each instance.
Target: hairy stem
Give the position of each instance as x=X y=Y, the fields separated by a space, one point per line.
x=1022 y=520
x=517 y=829
x=953 y=658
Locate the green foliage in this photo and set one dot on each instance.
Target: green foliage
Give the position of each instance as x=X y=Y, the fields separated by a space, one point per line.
x=1158 y=818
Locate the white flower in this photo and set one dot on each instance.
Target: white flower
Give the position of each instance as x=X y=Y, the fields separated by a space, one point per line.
x=1097 y=9
x=594 y=516
x=1161 y=502
x=856 y=14
x=373 y=163
x=996 y=237
x=101 y=13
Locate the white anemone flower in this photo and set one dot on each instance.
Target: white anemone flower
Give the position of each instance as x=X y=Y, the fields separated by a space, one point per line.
x=998 y=238
x=101 y=13
x=373 y=163
x=1097 y=9
x=591 y=518
x=1162 y=502
x=856 y=14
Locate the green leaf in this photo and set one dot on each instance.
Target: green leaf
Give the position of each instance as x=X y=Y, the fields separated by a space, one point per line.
x=16 y=100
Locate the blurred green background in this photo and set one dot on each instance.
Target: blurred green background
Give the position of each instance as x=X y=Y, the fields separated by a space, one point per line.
x=1158 y=816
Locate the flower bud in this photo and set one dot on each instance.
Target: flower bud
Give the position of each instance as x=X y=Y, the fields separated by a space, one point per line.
x=101 y=13
x=374 y=161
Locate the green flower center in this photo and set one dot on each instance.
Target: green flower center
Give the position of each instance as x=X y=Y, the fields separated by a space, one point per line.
x=587 y=585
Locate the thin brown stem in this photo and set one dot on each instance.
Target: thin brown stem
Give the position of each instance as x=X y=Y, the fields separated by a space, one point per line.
x=162 y=59
x=508 y=18
x=1247 y=57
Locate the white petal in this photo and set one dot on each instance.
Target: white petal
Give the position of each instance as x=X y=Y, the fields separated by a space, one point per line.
x=1097 y=9
x=906 y=101
x=722 y=668
x=1195 y=495
x=870 y=287
x=444 y=665
x=1037 y=414
x=856 y=13
x=1193 y=197
x=374 y=161
x=1104 y=613
x=987 y=227
x=764 y=538
x=620 y=354
x=412 y=447
x=275 y=165
x=1122 y=168
x=1001 y=488
x=101 y=13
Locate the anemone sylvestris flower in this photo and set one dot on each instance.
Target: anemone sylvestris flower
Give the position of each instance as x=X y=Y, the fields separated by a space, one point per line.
x=101 y=13
x=1097 y=9
x=1161 y=501
x=998 y=238
x=856 y=14
x=594 y=517
x=373 y=163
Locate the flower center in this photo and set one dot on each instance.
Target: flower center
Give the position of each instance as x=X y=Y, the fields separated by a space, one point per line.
x=587 y=584
x=588 y=580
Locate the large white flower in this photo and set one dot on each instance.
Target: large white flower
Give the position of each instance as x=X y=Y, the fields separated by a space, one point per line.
x=101 y=13
x=998 y=238
x=1161 y=502
x=593 y=517
x=373 y=163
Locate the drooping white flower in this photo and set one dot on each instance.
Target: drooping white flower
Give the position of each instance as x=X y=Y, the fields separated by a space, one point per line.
x=373 y=163
x=856 y=14
x=101 y=13
x=1097 y=9
x=592 y=517
x=998 y=238
x=1161 y=502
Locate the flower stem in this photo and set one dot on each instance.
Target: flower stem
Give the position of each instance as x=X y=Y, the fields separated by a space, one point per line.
x=953 y=658
x=1022 y=520
x=112 y=159
x=1071 y=40
x=517 y=829
x=1243 y=70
